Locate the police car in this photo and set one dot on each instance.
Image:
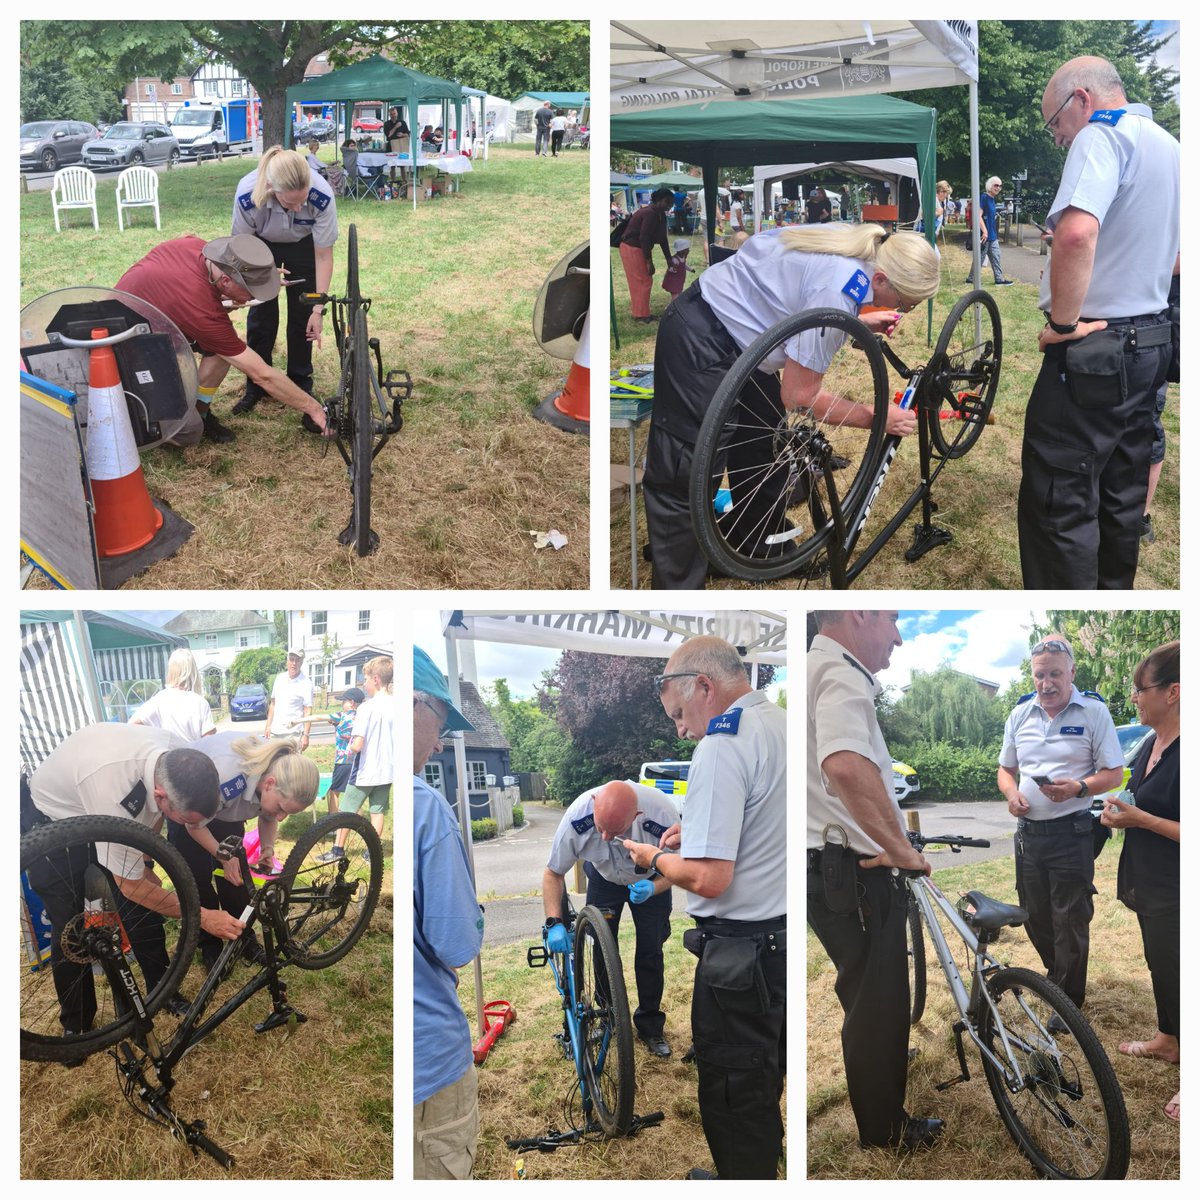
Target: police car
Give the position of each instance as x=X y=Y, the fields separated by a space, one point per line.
x=1132 y=738
x=668 y=777
x=905 y=781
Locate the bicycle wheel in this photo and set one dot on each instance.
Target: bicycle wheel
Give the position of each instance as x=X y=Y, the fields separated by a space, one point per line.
x=68 y=866
x=353 y=295
x=916 y=963
x=604 y=1026
x=1067 y=1114
x=759 y=499
x=360 y=402
x=964 y=373
x=328 y=898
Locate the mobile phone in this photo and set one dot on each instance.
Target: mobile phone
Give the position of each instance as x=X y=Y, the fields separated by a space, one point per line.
x=1042 y=780
x=1041 y=227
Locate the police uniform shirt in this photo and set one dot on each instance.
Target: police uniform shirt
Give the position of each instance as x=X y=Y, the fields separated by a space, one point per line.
x=1078 y=742
x=317 y=217
x=736 y=809
x=1125 y=172
x=762 y=284
x=105 y=770
x=578 y=838
x=239 y=800
x=841 y=716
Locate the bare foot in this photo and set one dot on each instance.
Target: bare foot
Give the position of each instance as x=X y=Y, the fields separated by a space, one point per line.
x=1171 y=1108
x=1161 y=1046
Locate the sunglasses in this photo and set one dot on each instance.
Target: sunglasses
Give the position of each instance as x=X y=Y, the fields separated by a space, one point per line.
x=1053 y=646
x=660 y=680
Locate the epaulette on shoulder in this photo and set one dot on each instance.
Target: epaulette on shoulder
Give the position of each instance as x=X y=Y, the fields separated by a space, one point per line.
x=1094 y=696
x=1027 y=696
x=859 y=667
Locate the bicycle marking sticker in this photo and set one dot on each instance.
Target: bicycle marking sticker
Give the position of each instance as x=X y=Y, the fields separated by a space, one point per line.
x=136 y=800
x=726 y=722
x=231 y=789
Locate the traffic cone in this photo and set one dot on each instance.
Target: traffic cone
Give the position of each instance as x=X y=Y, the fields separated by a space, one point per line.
x=125 y=517
x=570 y=408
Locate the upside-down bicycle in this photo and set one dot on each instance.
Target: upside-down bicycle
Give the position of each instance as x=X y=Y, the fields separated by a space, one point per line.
x=776 y=493
x=311 y=914
x=1050 y=1078
x=597 y=1034
x=366 y=409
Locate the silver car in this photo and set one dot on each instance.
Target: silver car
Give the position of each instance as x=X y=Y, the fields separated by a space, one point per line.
x=47 y=145
x=129 y=142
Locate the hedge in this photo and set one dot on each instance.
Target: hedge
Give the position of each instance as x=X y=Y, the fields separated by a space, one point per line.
x=483 y=830
x=952 y=772
x=518 y=816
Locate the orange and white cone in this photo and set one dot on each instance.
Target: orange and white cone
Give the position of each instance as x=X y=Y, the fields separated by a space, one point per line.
x=570 y=408
x=125 y=517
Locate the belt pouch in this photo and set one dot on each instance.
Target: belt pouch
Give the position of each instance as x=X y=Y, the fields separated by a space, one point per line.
x=839 y=877
x=693 y=941
x=730 y=967
x=1096 y=369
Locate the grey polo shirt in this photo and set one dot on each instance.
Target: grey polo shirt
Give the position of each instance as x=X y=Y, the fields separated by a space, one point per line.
x=736 y=809
x=317 y=217
x=239 y=800
x=578 y=838
x=1079 y=741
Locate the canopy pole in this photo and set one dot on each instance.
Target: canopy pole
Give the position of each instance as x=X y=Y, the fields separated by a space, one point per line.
x=972 y=238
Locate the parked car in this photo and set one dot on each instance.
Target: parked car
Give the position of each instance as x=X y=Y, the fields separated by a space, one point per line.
x=47 y=145
x=367 y=125
x=668 y=777
x=905 y=781
x=321 y=128
x=1131 y=737
x=129 y=142
x=248 y=703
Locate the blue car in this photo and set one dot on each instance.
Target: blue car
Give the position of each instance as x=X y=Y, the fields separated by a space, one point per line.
x=249 y=703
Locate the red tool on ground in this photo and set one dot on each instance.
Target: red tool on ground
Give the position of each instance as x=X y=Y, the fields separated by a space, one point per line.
x=498 y=1015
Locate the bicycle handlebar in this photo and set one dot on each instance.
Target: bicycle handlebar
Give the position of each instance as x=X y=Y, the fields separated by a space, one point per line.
x=920 y=841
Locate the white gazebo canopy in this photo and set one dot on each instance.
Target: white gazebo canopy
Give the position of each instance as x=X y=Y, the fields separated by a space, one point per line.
x=891 y=169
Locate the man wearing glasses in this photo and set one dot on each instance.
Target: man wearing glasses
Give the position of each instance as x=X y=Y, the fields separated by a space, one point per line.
x=1060 y=748
x=593 y=830
x=1089 y=426
x=447 y=934
x=733 y=859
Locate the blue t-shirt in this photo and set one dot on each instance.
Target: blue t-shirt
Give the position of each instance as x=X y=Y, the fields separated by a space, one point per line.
x=988 y=205
x=447 y=933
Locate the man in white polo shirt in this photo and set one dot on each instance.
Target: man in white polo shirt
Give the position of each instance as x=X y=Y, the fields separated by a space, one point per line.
x=291 y=699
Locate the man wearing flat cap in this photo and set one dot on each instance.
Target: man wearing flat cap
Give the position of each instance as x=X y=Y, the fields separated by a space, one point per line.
x=196 y=284
x=447 y=934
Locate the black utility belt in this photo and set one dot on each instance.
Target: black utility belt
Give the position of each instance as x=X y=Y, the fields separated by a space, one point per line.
x=1053 y=825
x=718 y=927
x=814 y=858
x=1141 y=337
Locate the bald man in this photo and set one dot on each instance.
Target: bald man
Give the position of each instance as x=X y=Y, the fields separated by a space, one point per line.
x=593 y=830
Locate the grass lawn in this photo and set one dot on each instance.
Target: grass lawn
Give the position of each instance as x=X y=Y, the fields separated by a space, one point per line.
x=453 y=286
x=975 y=1145
x=976 y=498
x=312 y=1101
x=524 y=1085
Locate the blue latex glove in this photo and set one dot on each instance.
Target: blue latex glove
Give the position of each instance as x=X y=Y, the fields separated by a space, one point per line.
x=558 y=939
x=642 y=890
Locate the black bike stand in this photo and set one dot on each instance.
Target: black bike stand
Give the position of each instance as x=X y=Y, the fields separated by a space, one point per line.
x=349 y=536
x=550 y=1141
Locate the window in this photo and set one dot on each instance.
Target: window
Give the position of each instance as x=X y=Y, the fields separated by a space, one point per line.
x=177 y=89
x=320 y=623
x=364 y=620
x=210 y=641
x=247 y=638
x=212 y=87
x=317 y=672
x=476 y=776
x=237 y=87
x=433 y=777
x=645 y=166
x=151 y=90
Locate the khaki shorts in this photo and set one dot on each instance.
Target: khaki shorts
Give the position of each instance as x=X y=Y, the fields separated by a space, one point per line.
x=445 y=1130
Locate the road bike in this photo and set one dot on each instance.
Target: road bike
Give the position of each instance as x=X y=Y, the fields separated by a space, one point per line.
x=366 y=411
x=116 y=964
x=776 y=494
x=597 y=1034
x=1050 y=1078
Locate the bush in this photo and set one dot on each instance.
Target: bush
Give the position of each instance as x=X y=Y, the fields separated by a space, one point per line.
x=518 y=816
x=951 y=772
x=483 y=830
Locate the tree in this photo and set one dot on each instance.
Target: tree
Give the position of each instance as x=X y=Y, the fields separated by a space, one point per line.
x=50 y=93
x=330 y=646
x=536 y=741
x=257 y=666
x=947 y=706
x=280 y=621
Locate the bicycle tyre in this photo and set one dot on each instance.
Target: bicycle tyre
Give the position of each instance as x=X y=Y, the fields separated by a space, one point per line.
x=1054 y=1084
x=353 y=295
x=916 y=963
x=735 y=543
x=346 y=889
x=73 y=837
x=964 y=362
x=360 y=401
x=604 y=1027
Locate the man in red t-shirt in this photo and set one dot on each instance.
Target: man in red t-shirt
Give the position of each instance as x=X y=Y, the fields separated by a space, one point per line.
x=196 y=283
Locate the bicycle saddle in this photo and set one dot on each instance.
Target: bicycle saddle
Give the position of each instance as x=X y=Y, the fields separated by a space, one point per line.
x=989 y=913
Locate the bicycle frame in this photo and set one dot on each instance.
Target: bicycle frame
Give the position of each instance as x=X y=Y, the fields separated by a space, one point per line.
x=564 y=980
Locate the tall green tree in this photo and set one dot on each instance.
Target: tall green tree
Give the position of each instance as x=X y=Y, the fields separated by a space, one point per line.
x=947 y=706
x=257 y=666
x=51 y=93
x=537 y=742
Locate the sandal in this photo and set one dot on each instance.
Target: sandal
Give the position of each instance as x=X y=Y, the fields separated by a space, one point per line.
x=1142 y=1050
x=1171 y=1108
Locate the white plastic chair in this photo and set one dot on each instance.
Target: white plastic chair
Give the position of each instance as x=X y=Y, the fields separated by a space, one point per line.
x=137 y=187
x=74 y=187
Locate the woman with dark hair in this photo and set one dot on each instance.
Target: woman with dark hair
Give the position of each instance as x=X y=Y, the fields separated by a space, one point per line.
x=1148 y=873
x=647 y=228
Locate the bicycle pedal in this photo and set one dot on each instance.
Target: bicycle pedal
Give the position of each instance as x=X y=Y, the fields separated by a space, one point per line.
x=398 y=381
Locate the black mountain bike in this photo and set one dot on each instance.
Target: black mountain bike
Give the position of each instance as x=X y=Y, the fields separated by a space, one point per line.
x=366 y=411
x=117 y=964
x=597 y=1034
x=776 y=493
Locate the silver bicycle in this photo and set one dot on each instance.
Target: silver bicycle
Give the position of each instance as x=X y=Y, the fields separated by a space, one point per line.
x=1052 y=1082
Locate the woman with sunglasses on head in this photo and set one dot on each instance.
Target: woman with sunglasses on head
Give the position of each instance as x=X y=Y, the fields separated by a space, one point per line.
x=1148 y=875
x=773 y=276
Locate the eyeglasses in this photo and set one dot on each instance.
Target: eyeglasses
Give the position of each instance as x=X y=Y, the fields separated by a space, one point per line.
x=1051 y=125
x=1053 y=646
x=660 y=680
x=1137 y=691
x=443 y=718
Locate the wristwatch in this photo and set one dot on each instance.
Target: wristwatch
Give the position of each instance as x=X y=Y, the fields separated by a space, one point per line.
x=1084 y=790
x=551 y=922
x=653 y=870
x=1062 y=329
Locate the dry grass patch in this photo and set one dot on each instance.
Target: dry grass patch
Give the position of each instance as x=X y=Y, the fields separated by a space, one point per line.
x=975 y=1145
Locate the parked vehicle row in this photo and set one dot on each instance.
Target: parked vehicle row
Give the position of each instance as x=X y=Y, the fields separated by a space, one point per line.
x=48 y=145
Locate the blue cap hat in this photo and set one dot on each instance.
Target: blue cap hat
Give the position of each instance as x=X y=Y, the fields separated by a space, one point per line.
x=428 y=678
